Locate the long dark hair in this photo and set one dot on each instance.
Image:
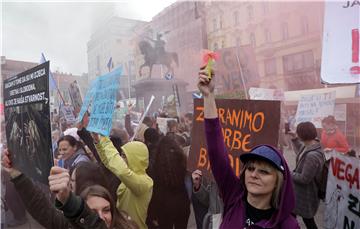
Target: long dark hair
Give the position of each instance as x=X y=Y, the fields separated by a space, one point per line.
x=170 y=163
x=88 y=173
x=119 y=221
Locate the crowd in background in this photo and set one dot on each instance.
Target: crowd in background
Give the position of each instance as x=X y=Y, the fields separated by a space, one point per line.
x=112 y=182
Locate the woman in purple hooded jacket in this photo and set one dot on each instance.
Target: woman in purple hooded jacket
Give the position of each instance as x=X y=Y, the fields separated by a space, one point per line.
x=263 y=196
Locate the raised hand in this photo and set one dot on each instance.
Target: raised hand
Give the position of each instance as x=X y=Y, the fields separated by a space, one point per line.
x=196 y=178
x=7 y=164
x=206 y=85
x=59 y=182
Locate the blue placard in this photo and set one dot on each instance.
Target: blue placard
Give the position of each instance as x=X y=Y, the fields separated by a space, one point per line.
x=100 y=101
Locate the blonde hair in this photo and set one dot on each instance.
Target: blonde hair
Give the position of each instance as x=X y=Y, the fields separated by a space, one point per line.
x=275 y=197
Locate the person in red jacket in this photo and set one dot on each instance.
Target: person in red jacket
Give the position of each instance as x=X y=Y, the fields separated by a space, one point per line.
x=332 y=138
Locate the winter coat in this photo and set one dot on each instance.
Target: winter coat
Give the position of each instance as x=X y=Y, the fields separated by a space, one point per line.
x=135 y=191
x=77 y=157
x=44 y=212
x=336 y=141
x=208 y=195
x=234 y=193
x=309 y=164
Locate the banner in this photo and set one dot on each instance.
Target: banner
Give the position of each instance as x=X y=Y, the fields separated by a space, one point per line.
x=342 y=205
x=100 y=101
x=340 y=51
x=245 y=124
x=266 y=94
x=340 y=112
x=67 y=111
x=162 y=124
x=27 y=118
x=314 y=108
x=75 y=96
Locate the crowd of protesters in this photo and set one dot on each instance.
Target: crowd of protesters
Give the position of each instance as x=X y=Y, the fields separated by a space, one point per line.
x=113 y=182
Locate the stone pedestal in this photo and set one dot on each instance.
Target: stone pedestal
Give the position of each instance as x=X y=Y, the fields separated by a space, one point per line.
x=159 y=88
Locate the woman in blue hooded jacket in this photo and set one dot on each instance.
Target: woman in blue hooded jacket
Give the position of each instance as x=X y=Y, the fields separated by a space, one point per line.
x=263 y=196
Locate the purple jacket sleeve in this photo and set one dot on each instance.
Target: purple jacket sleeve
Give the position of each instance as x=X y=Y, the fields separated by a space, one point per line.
x=229 y=185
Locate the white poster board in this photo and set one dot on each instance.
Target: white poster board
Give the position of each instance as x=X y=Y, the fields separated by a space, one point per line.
x=340 y=51
x=342 y=204
x=162 y=123
x=340 y=112
x=266 y=94
x=68 y=112
x=314 y=108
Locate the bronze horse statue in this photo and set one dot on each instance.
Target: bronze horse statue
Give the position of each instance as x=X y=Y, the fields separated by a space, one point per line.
x=153 y=56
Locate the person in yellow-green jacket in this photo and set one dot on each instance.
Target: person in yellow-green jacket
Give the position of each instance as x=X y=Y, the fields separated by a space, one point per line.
x=135 y=191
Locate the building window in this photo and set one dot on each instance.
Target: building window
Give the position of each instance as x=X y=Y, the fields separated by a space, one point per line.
x=267 y=36
x=214 y=24
x=250 y=10
x=236 y=18
x=216 y=46
x=303 y=61
x=265 y=7
x=304 y=25
x=285 y=31
x=238 y=41
x=221 y=22
x=270 y=66
x=252 y=40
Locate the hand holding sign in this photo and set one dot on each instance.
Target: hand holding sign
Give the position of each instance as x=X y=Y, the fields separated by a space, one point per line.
x=209 y=59
x=7 y=164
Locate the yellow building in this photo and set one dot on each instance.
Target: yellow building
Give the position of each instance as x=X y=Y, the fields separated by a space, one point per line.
x=286 y=37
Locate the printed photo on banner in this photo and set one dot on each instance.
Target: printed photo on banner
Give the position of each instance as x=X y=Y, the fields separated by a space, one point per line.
x=27 y=120
x=75 y=96
x=101 y=98
x=245 y=124
x=342 y=205
x=314 y=108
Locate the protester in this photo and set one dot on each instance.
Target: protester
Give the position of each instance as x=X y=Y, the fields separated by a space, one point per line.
x=152 y=138
x=263 y=196
x=332 y=138
x=134 y=192
x=37 y=203
x=96 y=197
x=206 y=192
x=307 y=173
x=71 y=151
x=170 y=204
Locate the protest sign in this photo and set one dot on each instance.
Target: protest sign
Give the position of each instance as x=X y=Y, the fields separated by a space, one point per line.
x=27 y=117
x=342 y=204
x=162 y=124
x=67 y=111
x=340 y=112
x=314 y=108
x=245 y=124
x=266 y=94
x=100 y=101
x=75 y=96
x=340 y=51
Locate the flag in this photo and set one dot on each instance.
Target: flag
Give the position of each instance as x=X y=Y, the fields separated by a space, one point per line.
x=110 y=64
x=52 y=82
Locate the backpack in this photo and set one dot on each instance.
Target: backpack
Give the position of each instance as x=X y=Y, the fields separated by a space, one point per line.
x=321 y=180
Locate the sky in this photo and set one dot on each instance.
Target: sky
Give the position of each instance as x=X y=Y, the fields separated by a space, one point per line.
x=61 y=30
